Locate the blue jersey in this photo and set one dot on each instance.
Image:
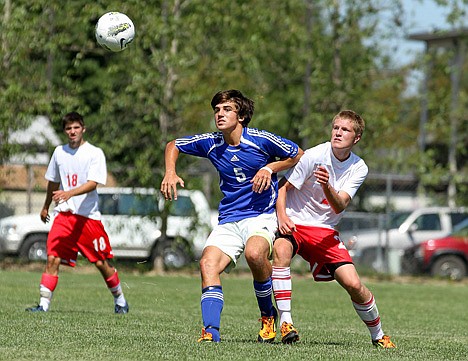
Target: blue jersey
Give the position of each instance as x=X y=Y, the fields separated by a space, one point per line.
x=237 y=165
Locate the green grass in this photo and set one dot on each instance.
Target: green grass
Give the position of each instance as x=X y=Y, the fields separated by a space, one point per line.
x=427 y=320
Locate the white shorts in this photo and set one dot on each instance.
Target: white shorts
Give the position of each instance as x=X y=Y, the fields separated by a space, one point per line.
x=231 y=237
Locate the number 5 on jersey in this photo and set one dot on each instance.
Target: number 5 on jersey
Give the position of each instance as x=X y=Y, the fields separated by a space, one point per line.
x=240 y=176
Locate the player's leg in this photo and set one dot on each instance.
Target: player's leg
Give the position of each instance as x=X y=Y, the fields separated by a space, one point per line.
x=257 y=251
x=59 y=250
x=48 y=284
x=93 y=243
x=282 y=287
x=363 y=302
x=111 y=277
x=212 y=263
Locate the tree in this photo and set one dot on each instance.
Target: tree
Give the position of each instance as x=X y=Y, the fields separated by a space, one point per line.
x=301 y=61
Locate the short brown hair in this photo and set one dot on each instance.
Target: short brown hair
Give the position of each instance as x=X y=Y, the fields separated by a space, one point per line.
x=72 y=117
x=355 y=118
x=244 y=106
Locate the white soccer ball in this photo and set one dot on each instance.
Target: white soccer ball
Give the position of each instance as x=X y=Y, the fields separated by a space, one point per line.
x=114 y=31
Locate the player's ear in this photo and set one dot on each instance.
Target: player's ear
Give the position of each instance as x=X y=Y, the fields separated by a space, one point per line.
x=357 y=138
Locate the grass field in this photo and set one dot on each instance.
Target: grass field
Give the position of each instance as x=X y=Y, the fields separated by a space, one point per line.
x=428 y=320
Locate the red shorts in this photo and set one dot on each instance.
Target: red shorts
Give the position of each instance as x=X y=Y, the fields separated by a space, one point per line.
x=322 y=248
x=72 y=233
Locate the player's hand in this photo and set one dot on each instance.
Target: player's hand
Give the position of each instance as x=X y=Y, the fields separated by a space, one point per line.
x=169 y=186
x=322 y=175
x=60 y=196
x=261 y=181
x=45 y=216
x=286 y=226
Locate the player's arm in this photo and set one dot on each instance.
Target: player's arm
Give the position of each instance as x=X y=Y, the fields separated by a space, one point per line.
x=338 y=201
x=262 y=179
x=285 y=225
x=170 y=180
x=63 y=196
x=286 y=163
x=51 y=188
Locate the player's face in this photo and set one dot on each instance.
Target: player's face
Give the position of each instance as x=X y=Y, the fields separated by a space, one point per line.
x=225 y=116
x=74 y=132
x=343 y=134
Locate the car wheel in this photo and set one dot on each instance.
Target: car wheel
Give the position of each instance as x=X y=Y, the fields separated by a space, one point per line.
x=34 y=248
x=449 y=266
x=174 y=253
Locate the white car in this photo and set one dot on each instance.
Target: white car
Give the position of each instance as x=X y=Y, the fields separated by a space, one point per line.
x=132 y=219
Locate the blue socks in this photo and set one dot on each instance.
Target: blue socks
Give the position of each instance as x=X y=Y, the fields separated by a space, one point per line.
x=263 y=292
x=212 y=302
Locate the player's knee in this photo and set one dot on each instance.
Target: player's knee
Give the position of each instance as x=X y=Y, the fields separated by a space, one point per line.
x=53 y=262
x=354 y=287
x=282 y=253
x=256 y=256
x=208 y=266
x=99 y=264
x=103 y=265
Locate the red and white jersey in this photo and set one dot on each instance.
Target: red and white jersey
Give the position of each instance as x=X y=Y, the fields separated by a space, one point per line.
x=306 y=204
x=74 y=167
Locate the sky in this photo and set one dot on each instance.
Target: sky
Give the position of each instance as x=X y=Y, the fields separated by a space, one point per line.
x=421 y=16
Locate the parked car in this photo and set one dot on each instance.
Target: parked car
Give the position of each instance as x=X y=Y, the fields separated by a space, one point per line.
x=5 y=210
x=406 y=229
x=440 y=257
x=132 y=218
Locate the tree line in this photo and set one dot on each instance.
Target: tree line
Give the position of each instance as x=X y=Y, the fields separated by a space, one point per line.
x=300 y=60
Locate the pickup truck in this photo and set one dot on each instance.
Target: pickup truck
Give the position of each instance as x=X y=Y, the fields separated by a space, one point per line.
x=445 y=257
x=370 y=247
x=131 y=217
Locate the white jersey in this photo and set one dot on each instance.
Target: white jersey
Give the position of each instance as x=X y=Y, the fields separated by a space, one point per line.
x=306 y=203
x=73 y=168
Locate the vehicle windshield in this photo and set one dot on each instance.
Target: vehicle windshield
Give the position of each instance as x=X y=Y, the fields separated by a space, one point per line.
x=182 y=207
x=397 y=218
x=130 y=204
x=461 y=229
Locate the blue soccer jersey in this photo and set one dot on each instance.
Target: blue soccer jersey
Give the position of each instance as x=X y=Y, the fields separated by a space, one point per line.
x=237 y=165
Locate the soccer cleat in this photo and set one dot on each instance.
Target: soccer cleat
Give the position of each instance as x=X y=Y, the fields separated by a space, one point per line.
x=121 y=309
x=267 y=333
x=37 y=308
x=289 y=333
x=205 y=336
x=384 y=342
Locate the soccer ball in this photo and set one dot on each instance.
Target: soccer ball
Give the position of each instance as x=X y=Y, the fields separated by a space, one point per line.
x=114 y=31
